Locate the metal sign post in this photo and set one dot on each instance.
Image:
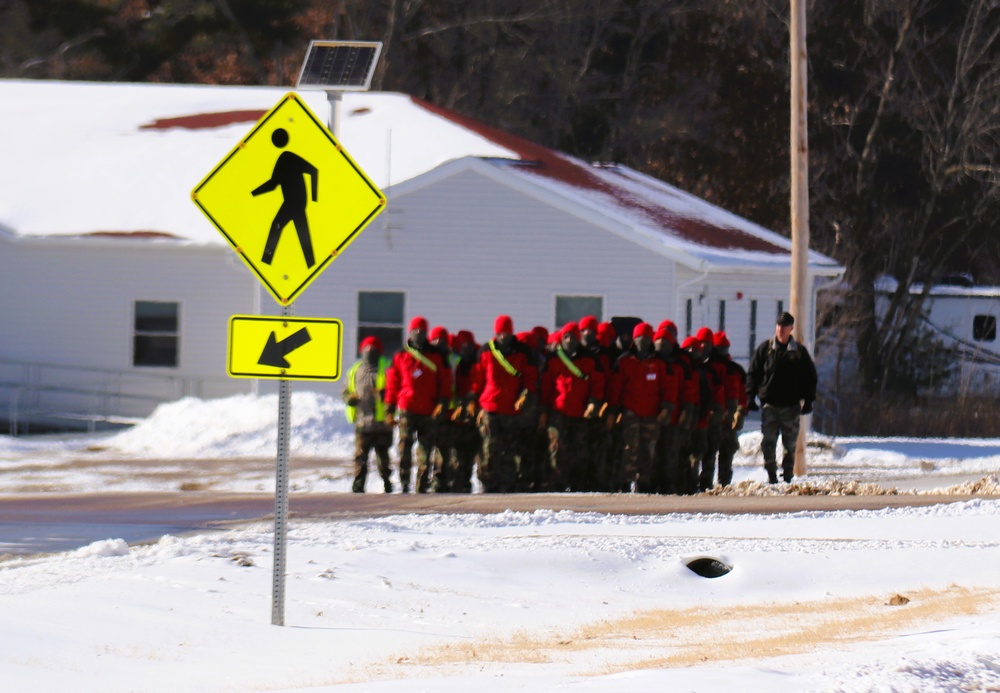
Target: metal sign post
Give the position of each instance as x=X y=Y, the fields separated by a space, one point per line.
x=281 y=496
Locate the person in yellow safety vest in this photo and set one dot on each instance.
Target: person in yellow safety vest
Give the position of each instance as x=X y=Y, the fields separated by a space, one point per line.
x=364 y=395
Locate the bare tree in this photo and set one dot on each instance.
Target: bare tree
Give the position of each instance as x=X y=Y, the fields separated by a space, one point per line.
x=921 y=141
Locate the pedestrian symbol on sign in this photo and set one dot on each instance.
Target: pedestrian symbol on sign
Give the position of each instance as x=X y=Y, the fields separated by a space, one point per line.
x=287 y=149
x=289 y=174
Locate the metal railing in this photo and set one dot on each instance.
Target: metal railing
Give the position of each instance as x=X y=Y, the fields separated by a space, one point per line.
x=49 y=395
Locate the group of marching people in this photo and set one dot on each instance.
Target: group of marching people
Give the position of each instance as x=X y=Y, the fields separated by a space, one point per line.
x=581 y=409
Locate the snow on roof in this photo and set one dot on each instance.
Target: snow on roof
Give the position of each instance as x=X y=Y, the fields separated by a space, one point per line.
x=85 y=157
x=88 y=158
x=661 y=213
x=887 y=284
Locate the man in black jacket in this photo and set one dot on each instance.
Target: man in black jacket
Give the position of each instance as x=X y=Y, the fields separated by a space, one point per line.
x=783 y=375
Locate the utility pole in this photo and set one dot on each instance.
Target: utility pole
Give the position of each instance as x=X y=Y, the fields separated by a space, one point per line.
x=800 y=293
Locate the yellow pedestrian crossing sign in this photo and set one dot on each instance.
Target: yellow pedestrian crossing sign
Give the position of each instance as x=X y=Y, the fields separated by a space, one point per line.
x=284 y=348
x=288 y=198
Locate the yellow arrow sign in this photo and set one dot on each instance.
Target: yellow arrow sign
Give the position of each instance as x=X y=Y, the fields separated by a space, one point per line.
x=288 y=198
x=284 y=348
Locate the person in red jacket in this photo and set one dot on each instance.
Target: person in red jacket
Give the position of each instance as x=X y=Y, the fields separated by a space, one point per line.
x=506 y=382
x=711 y=402
x=720 y=403
x=736 y=408
x=644 y=395
x=599 y=475
x=440 y=459
x=465 y=439
x=418 y=388
x=532 y=467
x=666 y=470
x=572 y=394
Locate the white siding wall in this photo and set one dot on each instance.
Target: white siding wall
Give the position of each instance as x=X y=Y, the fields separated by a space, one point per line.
x=70 y=303
x=738 y=291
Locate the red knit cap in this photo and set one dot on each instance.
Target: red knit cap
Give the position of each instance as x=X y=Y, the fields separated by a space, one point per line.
x=464 y=337
x=528 y=338
x=371 y=341
x=704 y=335
x=605 y=334
x=503 y=323
x=690 y=342
x=588 y=322
x=720 y=339
x=438 y=333
x=643 y=329
x=672 y=326
x=664 y=333
x=541 y=334
x=555 y=337
x=570 y=328
x=418 y=323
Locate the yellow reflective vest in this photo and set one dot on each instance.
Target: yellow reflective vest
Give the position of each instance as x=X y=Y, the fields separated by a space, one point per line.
x=383 y=366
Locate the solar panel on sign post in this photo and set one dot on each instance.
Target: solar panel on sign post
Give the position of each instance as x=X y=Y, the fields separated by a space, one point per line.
x=339 y=65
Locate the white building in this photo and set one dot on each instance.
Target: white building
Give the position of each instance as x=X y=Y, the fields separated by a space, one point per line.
x=963 y=317
x=119 y=291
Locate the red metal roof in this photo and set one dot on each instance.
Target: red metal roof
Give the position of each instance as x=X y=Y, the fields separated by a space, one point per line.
x=550 y=163
x=201 y=121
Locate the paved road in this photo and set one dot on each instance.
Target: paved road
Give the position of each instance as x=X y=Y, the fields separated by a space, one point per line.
x=31 y=523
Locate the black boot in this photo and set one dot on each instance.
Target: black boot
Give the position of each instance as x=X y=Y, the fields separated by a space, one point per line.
x=788 y=467
x=772 y=475
x=388 y=485
x=359 y=485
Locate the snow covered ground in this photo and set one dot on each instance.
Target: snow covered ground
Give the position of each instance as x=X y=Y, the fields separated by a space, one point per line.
x=893 y=600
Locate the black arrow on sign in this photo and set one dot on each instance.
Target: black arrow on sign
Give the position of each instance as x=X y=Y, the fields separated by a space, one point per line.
x=275 y=352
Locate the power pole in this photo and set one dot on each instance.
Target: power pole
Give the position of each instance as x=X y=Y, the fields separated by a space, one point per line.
x=800 y=293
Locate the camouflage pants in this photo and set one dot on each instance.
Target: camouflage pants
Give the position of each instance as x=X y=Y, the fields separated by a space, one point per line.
x=600 y=473
x=613 y=456
x=729 y=445
x=444 y=434
x=466 y=448
x=498 y=466
x=532 y=468
x=713 y=438
x=690 y=460
x=364 y=443
x=639 y=435
x=420 y=428
x=569 y=452
x=783 y=421
x=666 y=472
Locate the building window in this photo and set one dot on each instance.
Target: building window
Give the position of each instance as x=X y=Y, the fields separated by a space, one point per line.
x=572 y=308
x=380 y=314
x=984 y=328
x=155 y=340
x=753 y=327
x=781 y=309
x=722 y=316
x=689 y=316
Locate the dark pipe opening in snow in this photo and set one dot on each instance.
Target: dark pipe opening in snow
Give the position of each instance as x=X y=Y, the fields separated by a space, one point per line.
x=709 y=567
